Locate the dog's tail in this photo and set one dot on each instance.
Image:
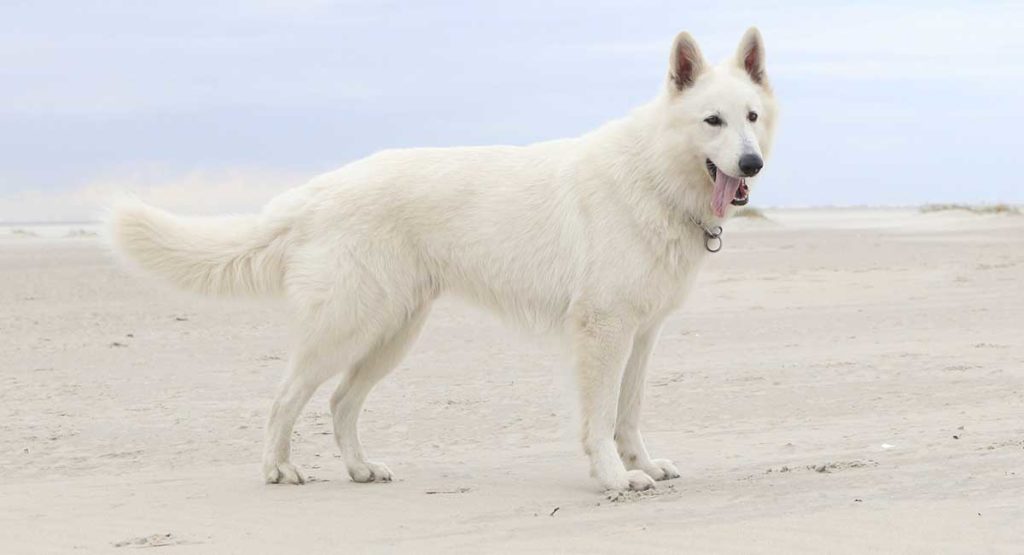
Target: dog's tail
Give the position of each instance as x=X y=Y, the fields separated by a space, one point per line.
x=231 y=255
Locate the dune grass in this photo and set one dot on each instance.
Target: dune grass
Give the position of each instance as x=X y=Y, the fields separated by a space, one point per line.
x=972 y=208
x=750 y=212
x=80 y=233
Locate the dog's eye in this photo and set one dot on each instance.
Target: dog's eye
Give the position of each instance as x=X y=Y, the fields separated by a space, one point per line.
x=713 y=121
x=752 y=116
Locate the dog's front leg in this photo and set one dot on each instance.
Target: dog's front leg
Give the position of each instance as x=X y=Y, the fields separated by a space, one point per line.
x=602 y=342
x=631 y=396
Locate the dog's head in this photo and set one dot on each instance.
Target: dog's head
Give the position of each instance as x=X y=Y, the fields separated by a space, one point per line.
x=721 y=118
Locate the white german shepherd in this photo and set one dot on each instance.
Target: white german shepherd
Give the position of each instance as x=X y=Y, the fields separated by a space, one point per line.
x=595 y=239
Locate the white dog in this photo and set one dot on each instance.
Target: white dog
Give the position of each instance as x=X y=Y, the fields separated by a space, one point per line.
x=595 y=239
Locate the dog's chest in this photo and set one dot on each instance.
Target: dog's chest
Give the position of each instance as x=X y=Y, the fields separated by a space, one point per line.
x=666 y=289
x=661 y=282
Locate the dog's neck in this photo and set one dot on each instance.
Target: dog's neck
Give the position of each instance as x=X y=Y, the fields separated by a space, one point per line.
x=650 y=179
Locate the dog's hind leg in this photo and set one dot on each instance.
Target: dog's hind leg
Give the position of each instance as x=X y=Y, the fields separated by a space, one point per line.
x=308 y=369
x=327 y=344
x=627 y=426
x=347 y=401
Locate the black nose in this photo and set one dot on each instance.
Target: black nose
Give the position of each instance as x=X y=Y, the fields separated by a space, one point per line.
x=750 y=164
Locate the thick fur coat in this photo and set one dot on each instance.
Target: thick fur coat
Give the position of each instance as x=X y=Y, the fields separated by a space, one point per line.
x=593 y=239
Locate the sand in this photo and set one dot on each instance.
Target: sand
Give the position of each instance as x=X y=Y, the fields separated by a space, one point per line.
x=840 y=381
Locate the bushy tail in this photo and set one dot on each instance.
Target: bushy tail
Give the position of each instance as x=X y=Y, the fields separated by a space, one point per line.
x=231 y=255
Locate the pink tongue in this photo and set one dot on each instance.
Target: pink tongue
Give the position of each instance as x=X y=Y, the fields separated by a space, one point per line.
x=724 y=193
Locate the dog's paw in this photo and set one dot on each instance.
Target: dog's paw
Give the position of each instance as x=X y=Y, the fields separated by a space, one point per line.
x=659 y=469
x=370 y=472
x=662 y=469
x=282 y=473
x=631 y=480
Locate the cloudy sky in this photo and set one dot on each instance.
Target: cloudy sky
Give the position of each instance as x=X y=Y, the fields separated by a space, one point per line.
x=211 y=105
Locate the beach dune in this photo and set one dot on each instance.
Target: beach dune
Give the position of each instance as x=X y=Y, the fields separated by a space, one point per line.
x=841 y=380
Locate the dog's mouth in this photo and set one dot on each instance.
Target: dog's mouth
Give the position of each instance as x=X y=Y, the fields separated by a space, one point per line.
x=728 y=189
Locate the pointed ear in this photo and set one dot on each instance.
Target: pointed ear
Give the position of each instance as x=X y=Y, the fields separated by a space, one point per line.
x=686 y=62
x=750 y=55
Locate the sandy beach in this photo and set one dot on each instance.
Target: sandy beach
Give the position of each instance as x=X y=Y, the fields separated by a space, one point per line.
x=841 y=380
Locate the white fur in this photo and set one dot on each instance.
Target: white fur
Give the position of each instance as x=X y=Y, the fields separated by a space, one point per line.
x=590 y=239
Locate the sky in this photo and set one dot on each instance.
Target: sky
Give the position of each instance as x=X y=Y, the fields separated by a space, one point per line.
x=208 y=106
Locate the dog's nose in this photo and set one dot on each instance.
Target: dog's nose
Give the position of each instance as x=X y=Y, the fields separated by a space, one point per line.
x=750 y=164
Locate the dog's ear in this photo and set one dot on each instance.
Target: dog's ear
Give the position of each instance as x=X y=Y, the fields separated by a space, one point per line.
x=685 y=63
x=750 y=55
